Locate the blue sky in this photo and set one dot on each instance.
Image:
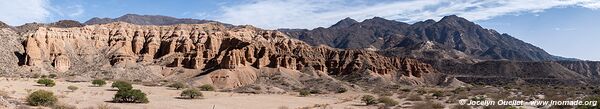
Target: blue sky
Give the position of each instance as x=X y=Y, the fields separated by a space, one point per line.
x=566 y=28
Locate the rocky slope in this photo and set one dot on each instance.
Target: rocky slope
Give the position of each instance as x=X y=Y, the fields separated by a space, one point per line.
x=455 y=38
x=455 y=46
x=210 y=53
x=589 y=69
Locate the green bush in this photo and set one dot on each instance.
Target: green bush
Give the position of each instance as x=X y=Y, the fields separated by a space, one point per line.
x=46 y=82
x=178 y=85
x=130 y=96
x=368 y=99
x=41 y=98
x=304 y=93
x=122 y=85
x=191 y=93
x=98 y=82
x=72 y=88
x=206 y=87
x=387 y=101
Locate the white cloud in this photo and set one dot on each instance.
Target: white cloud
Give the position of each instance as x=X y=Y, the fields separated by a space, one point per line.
x=77 y=11
x=17 y=12
x=70 y=11
x=315 y=13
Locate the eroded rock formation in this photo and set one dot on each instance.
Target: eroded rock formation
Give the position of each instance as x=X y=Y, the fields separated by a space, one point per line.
x=209 y=50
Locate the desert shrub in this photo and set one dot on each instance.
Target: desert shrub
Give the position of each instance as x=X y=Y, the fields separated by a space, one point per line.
x=478 y=98
x=315 y=91
x=41 y=98
x=421 y=91
x=414 y=98
x=206 y=87
x=52 y=75
x=590 y=98
x=46 y=82
x=122 y=85
x=461 y=107
x=387 y=101
x=342 y=90
x=130 y=96
x=72 y=88
x=460 y=90
x=98 y=82
x=191 y=93
x=368 y=99
x=438 y=94
x=177 y=85
x=44 y=76
x=304 y=93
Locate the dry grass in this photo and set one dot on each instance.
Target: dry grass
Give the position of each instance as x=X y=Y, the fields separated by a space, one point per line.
x=63 y=106
x=106 y=106
x=429 y=105
x=414 y=98
x=4 y=93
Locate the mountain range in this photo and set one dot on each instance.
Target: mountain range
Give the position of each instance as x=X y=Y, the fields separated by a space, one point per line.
x=147 y=20
x=153 y=47
x=452 y=37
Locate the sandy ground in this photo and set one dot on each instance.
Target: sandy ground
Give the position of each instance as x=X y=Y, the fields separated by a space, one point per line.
x=165 y=98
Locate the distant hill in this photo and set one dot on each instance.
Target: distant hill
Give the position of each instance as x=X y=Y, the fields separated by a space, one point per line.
x=148 y=20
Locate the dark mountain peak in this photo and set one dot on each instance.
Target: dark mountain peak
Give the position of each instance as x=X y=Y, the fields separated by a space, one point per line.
x=378 y=19
x=346 y=22
x=429 y=21
x=137 y=16
x=131 y=15
x=97 y=20
x=455 y=20
x=424 y=23
x=3 y=25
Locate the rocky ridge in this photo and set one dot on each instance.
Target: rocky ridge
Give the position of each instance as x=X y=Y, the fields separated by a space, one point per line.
x=148 y=20
x=210 y=53
x=456 y=38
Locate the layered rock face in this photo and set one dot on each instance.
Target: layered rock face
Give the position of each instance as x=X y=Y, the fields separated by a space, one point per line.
x=225 y=56
x=589 y=69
